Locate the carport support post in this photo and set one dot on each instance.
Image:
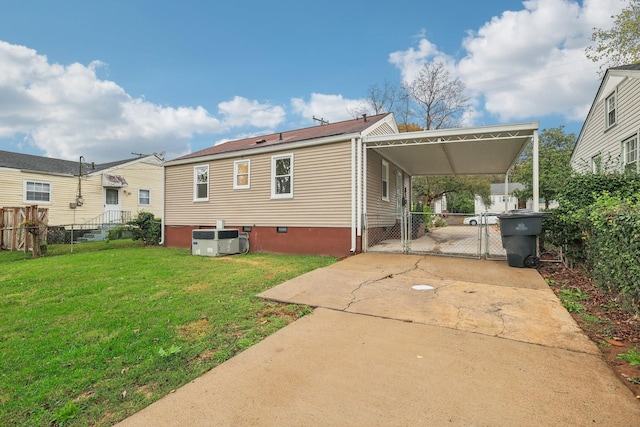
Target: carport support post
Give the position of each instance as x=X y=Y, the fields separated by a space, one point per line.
x=506 y=192
x=536 y=171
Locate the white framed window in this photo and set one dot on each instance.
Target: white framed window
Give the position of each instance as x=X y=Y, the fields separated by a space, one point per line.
x=201 y=183
x=610 y=107
x=36 y=191
x=630 y=152
x=385 y=181
x=241 y=174
x=282 y=177
x=144 y=197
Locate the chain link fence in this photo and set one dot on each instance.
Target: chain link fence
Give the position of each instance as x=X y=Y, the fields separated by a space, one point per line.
x=461 y=235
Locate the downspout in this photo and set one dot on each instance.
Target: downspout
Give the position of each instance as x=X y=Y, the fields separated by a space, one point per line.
x=359 y=180
x=536 y=172
x=354 y=192
x=164 y=201
x=363 y=202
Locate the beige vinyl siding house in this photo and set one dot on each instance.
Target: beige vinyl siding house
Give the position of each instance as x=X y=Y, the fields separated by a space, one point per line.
x=54 y=184
x=320 y=198
x=385 y=207
x=609 y=137
x=292 y=192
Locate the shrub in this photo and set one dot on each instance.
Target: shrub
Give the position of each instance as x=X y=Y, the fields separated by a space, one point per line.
x=566 y=225
x=612 y=247
x=427 y=217
x=146 y=228
x=598 y=223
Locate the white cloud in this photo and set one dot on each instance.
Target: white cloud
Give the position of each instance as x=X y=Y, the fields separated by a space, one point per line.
x=333 y=108
x=411 y=60
x=242 y=112
x=527 y=63
x=67 y=111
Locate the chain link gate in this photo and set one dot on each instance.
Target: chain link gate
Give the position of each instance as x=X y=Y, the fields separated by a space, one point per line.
x=435 y=234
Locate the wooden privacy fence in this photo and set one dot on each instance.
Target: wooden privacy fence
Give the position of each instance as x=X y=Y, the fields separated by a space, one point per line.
x=20 y=225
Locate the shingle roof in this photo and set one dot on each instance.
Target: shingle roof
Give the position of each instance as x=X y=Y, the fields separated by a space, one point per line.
x=49 y=165
x=305 y=134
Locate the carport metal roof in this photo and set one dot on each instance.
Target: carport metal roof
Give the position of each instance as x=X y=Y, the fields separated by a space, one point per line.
x=479 y=150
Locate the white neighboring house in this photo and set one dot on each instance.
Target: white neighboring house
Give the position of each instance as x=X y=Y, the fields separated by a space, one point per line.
x=501 y=202
x=499 y=198
x=609 y=137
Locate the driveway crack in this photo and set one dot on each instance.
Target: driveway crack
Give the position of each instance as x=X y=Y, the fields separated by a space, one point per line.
x=360 y=286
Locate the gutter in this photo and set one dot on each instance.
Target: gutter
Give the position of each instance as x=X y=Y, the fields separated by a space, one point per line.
x=354 y=192
x=164 y=202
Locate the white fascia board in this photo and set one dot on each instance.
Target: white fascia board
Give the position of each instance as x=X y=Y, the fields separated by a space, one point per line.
x=516 y=127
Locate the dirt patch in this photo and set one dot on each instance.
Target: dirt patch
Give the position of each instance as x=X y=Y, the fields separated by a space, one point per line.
x=195 y=329
x=146 y=390
x=198 y=287
x=612 y=329
x=237 y=259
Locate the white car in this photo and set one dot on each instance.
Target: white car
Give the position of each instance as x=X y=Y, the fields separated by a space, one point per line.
x=488 y=218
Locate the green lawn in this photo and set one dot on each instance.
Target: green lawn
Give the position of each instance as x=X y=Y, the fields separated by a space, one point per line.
x=90 y=337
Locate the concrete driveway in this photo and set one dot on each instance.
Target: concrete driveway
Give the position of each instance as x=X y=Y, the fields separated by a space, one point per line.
x=411 y=340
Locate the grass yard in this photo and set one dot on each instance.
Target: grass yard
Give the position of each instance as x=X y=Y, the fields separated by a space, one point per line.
x=90 y=337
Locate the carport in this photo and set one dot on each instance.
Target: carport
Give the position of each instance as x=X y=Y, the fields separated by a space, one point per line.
x=483 y=150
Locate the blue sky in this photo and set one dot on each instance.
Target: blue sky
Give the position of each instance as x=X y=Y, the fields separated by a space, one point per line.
x=103 y=79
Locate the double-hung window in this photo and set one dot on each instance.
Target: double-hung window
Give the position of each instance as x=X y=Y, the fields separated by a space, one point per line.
x=385 y=180
x=282 y=177
x=37 y=191
x=630 y=149
x=241 y=174
x=201 y=183
x=144 y=197
x=610 y=105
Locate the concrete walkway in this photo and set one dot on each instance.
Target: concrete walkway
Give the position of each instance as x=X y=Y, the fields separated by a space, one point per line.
x=474 y=343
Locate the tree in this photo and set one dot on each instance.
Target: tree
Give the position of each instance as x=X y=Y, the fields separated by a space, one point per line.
x=432 y=101
x=439 y=99
x=428 y=189
x=555 y=149
x=383 y=99
x=621 y=44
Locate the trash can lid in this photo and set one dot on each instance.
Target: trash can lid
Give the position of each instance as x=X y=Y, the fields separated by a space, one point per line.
x=522 y=213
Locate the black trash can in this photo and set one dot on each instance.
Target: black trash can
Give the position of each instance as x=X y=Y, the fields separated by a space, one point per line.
x=520 y=230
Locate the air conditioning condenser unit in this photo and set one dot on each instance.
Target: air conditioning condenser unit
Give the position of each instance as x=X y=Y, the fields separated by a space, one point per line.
x=215 y=242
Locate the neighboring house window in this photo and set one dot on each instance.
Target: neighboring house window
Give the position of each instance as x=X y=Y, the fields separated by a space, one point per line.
x=630 y=147
x=596 y=163
x=385 y=180
x=241 y=174
x=37 y=191
x=282 y=177
x=611 y=109
x=201 y=183
x=144 y=197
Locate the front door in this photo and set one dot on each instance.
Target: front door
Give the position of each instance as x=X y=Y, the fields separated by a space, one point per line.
x=111 y=205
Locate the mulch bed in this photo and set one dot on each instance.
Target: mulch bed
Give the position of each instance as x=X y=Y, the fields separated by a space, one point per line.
x=614 y=331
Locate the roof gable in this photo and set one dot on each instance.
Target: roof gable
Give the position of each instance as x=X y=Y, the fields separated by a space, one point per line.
x=612 y=78
x=362 y=125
